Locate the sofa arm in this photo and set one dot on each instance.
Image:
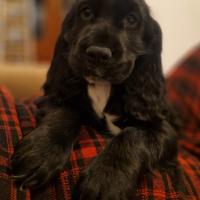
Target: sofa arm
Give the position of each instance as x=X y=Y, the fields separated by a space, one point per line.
x=23 y=80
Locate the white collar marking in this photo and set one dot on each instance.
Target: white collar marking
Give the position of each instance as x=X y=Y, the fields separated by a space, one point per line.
x=99 y=92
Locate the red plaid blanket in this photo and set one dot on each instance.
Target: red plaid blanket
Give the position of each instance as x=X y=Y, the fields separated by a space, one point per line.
x=17 y=119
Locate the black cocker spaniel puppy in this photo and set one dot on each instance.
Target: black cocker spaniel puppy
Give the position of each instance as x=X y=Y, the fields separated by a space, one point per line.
x=106 y=73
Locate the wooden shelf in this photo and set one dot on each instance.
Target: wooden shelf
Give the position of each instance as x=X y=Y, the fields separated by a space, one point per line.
x=15 y=37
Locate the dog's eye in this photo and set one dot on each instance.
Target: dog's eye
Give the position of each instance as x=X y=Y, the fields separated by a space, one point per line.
x=131 y=20
x=87 y=14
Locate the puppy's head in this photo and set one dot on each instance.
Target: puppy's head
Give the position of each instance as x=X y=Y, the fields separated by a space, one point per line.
x=105 y=37
x=112 y=40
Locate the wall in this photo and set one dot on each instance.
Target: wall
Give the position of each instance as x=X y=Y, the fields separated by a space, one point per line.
x=180 y=22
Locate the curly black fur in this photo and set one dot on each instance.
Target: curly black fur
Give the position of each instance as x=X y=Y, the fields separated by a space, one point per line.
x=147 y=139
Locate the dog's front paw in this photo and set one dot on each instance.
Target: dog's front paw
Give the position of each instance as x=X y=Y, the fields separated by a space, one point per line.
x=36 y=159
x=104 y=183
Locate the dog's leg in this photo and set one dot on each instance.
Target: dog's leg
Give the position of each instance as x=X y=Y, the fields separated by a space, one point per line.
x=114 y=173
x=40 y=154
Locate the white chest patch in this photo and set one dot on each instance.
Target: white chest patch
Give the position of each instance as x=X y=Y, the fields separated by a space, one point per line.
x=99 y=92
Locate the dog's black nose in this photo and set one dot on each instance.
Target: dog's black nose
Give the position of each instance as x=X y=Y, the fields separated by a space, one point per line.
x=98 y=54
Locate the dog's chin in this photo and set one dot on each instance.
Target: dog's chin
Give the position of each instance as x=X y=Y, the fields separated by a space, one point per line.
x=93 y=74
x=93 y=80
x=113 y=77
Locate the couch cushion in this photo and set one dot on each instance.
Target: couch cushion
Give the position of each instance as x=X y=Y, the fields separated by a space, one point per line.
x=17 y=120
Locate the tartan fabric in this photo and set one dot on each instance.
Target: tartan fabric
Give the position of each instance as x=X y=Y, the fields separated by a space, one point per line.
x=17 y=119
x=183 y=87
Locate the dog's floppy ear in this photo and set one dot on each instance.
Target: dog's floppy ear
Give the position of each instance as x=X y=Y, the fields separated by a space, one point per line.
x=61 y=84
x=145 y=88
x=66 y=30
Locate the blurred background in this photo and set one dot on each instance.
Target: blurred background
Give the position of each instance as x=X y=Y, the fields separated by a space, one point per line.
x=180 y=22
x=29 y=28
